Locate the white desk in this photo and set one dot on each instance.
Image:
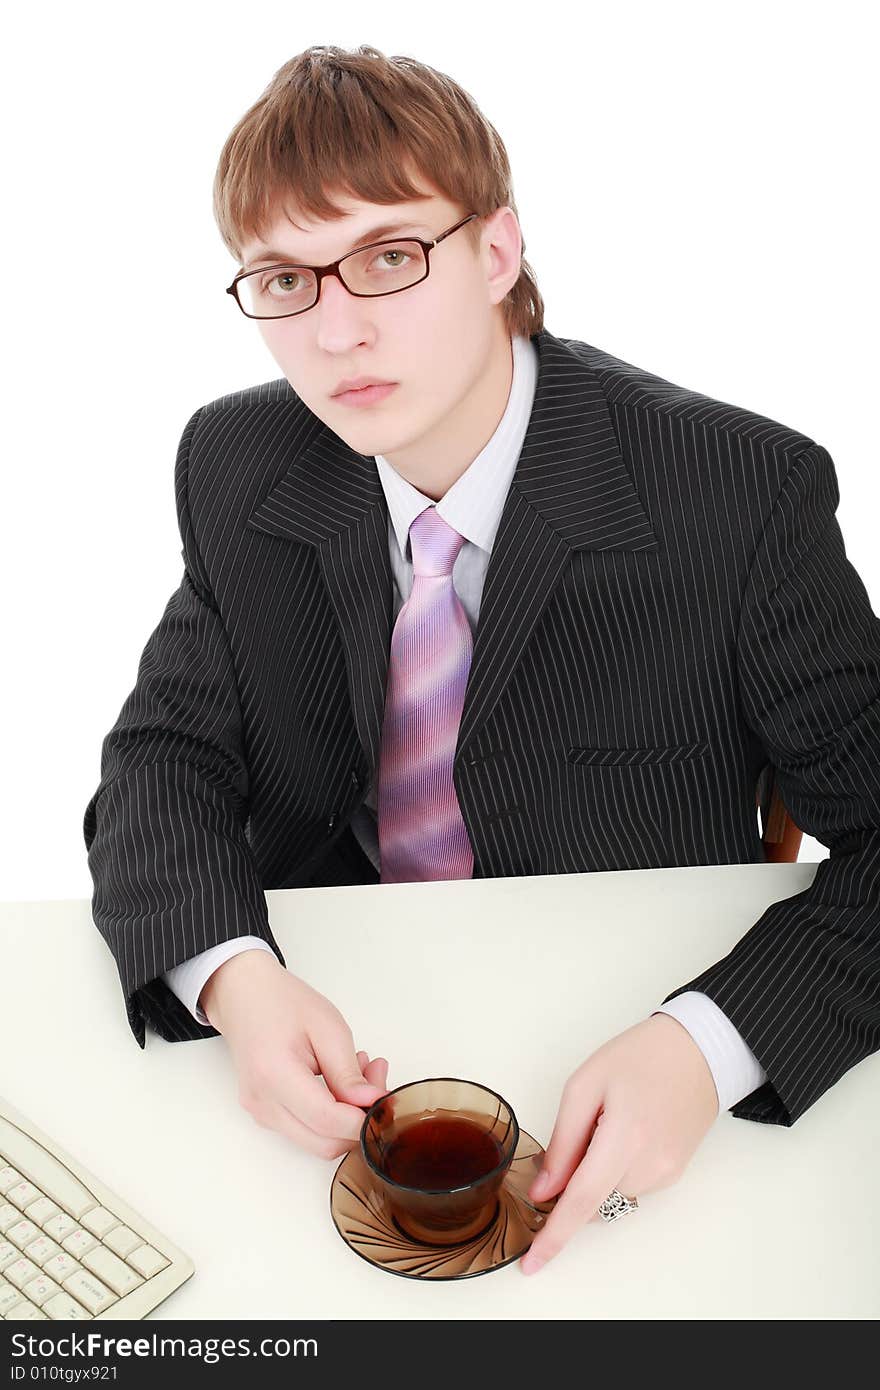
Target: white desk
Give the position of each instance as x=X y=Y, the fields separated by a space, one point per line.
x=512 y=982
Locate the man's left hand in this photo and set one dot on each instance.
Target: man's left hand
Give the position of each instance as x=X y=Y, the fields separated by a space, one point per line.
x=630 y=1117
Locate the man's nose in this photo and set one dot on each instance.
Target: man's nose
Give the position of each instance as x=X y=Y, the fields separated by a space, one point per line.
x=333 y=291
x=337 y=310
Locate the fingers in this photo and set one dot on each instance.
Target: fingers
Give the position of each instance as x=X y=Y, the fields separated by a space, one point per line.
x=376 y=1071
x=316 y=1105
x=299 y=1104
x=340 y=1064
x=575 y=1123
x=296 y=1103
x=278 y=1117
x=301 y=1100
x=598 y=1172
x=306 y=1098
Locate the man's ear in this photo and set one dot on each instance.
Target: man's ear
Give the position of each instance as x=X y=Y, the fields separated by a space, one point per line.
x=503 y=244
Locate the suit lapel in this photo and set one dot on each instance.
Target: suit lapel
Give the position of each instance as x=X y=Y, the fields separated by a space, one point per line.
x=332 y=499
x=570 y=491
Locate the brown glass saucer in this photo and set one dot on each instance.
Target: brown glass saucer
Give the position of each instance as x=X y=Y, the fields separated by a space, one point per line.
x=361 y=1216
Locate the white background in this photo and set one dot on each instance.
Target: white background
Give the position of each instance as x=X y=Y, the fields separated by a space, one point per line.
x=711 y=168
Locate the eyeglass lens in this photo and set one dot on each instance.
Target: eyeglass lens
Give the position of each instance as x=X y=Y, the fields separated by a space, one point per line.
x=281 y=290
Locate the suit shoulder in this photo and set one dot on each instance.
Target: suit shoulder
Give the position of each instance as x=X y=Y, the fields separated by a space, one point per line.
x=274 y=392
x=627 y=386
x=240 y=442
x=255 y=428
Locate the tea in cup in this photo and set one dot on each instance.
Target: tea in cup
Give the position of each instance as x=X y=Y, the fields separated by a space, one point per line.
x=439 y=1148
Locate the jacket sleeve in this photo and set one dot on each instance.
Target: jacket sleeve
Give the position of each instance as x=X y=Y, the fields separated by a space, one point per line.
x=803 y=985
x=172 y=869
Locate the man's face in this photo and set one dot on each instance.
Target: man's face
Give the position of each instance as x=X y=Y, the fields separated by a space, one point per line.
x=435 y=339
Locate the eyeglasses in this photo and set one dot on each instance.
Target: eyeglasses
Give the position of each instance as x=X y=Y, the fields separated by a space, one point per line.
x=280 y=291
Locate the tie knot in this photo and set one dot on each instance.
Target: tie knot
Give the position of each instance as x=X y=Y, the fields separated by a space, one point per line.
x=435 y=544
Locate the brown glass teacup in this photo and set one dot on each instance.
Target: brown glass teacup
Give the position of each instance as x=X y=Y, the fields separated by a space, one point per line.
x=439 y=1148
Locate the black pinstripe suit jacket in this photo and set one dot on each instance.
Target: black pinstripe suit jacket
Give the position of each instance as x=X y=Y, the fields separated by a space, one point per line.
x=668 y=608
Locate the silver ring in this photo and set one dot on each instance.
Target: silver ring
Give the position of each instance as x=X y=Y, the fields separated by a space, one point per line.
x=616 y=1205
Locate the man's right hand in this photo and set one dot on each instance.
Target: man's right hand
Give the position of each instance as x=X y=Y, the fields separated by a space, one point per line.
x=298 y=1072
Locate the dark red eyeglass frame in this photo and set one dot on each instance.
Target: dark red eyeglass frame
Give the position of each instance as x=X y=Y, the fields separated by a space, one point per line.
x=333 y=269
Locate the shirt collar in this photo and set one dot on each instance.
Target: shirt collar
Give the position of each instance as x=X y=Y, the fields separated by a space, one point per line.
x=474 y=503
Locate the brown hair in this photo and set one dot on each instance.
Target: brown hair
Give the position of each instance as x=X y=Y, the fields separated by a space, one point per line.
x=355 y=120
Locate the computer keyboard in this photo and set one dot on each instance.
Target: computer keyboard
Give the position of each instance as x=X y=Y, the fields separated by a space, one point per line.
x=69 y=1247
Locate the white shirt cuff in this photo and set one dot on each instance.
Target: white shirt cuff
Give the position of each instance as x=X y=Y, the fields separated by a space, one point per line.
x=734 y=1067
x=188 y=979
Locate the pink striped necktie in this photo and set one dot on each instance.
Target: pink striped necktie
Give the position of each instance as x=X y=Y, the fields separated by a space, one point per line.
x=421 y=831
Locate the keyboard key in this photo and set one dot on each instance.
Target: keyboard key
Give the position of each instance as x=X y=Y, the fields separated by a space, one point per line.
x=99 y=1221
x=8 y=1217
x=23 y=1232
x=25 y=1312
x=20 y=1272
x=39 y=1289
x=8 y=1253
x=93 y=1295
x=147 y=1261
x=8 y=1298
x=112 y=1270
x=32 y=1160
x=41 y=1250
x=59 y=1226
x=63 y=1306
x=78 y=1242
x=8 y=1178
x=60 y=1266
x=40 y=1210
x=122 y=1240
x=23 y=1193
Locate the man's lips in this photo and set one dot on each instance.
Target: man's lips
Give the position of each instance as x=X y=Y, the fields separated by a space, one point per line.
x=359 y=383
x=366 y=395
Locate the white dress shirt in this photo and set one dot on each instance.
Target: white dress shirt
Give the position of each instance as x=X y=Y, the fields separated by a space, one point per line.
x=473 y=506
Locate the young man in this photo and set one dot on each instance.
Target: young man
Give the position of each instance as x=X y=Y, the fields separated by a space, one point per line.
x=526 y=609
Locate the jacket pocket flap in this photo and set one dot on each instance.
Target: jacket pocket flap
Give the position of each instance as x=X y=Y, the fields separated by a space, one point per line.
x=634 y=757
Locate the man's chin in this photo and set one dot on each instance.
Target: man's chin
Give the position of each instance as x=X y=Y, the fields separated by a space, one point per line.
x=373 y=439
